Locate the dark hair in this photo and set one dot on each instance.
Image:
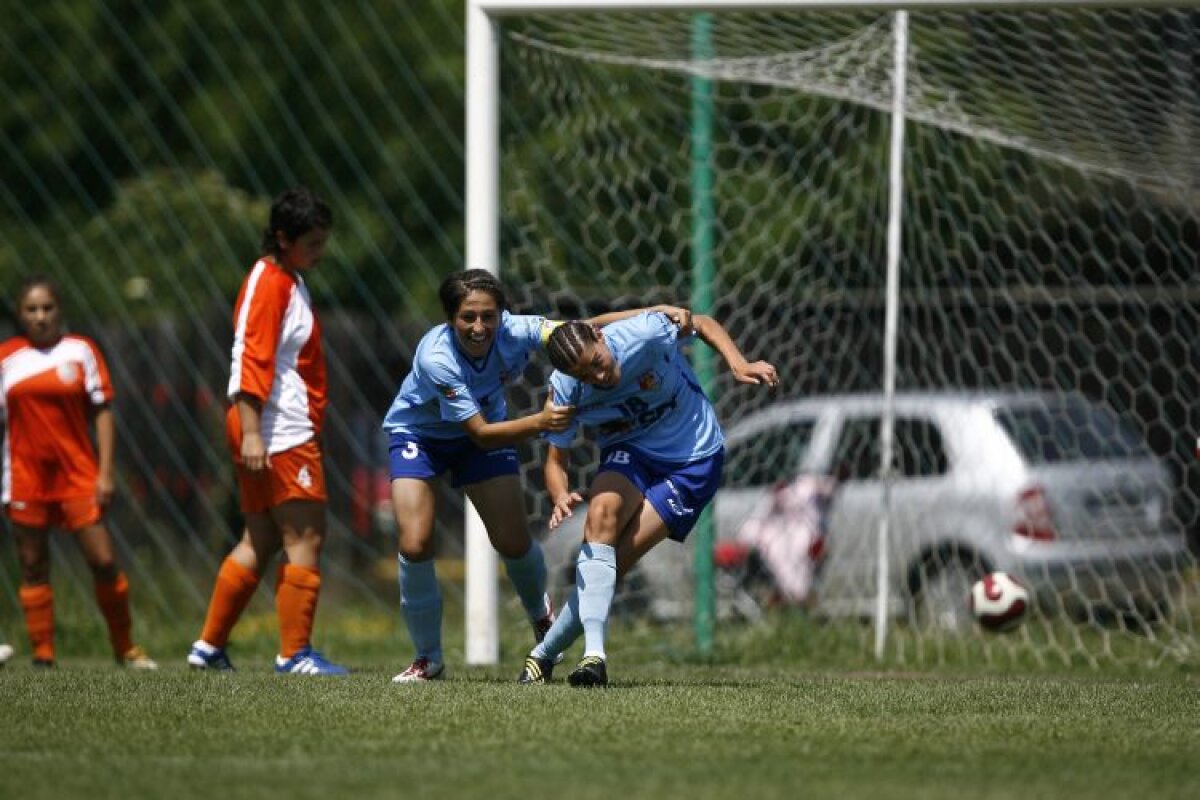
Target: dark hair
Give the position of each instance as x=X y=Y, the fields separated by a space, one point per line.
x=32 y=282
x=458 y=285
x=567 y=342
x=295 y=212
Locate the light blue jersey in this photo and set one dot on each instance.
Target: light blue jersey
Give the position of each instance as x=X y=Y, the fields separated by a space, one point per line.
x=446 y=387
x=657 y=407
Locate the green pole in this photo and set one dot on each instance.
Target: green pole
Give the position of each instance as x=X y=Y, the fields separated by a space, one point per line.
x=702 y=302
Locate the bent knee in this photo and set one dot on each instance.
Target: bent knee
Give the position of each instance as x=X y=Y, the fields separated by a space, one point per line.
x=603 y=523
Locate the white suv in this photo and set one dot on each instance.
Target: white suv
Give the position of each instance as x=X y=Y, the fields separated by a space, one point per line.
x=1049 y=487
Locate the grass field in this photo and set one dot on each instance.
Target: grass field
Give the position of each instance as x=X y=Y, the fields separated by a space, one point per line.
x=766 y=718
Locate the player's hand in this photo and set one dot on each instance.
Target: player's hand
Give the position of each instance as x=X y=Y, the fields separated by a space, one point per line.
x=254 y=452
x=104 y=490
x=760 y=372
x=555 y=418
x=680 y=316
x=562 y=508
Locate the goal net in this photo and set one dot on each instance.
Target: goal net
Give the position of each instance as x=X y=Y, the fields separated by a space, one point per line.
x=1051 y=190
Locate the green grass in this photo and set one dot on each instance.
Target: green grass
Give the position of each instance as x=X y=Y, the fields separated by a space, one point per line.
x=783 y=711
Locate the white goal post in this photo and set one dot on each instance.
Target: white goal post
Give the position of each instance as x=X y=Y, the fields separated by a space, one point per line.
x=484 y=213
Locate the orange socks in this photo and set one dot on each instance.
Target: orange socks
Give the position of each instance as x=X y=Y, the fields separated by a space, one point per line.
x=296 y=591
x=113 y=599
x=234 y=587
x=38 y=604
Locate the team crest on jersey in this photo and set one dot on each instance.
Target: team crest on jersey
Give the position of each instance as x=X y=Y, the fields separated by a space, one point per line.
x=648 y=381
x=448 y=392
x=67 y=372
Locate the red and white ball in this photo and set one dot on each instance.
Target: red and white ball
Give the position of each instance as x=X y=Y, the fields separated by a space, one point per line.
x=999 y=602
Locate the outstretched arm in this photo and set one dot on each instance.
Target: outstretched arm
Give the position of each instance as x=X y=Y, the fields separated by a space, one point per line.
x=680 y=316
x=557 y=486
x=716 y=337
x=490 y=435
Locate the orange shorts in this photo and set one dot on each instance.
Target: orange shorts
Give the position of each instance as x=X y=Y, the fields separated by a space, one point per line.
x=294 y=474
x=71 y=514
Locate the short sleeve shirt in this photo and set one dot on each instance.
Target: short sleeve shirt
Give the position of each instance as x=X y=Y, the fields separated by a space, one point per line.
x=446 y=387
x=657 y=406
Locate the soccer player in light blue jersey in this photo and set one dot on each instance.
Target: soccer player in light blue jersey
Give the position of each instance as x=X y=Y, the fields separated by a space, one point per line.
x=661 y=452
x=450 y=415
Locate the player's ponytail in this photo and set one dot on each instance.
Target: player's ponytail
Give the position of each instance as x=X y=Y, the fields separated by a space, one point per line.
x=567 y=343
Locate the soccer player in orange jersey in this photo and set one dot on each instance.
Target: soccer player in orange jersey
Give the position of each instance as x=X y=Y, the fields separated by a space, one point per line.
x=277 y=396
x=53 y=386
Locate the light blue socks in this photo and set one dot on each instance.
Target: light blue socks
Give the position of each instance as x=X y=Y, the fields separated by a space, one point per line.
x=596 y=582
x=421 y=605
x=565 y=630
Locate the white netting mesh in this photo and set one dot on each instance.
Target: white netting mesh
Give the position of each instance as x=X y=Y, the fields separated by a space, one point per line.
x=1050 y=242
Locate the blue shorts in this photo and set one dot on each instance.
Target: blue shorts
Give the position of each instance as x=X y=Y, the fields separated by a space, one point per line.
x=678 y=492
x=422 y=457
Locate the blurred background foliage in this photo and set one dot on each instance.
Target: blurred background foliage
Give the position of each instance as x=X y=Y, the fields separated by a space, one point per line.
x=144 y=139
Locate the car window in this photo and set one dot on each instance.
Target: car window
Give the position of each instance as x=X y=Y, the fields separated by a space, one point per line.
x=919 y=449
x=769 y=455
x=1070 y=431
x=857 y=451
x=918 y=445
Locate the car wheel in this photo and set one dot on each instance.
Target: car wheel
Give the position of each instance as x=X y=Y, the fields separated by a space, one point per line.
x=940 y=586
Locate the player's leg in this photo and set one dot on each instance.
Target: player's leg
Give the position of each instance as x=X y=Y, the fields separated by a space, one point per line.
x=500 y=502
x=413 y=503
x=109 y=582
x=414 y=463
x=614 y=502
x=36 y=595
x=641 y=535
x=241 y=571
x=301 y=524
x=237 y=579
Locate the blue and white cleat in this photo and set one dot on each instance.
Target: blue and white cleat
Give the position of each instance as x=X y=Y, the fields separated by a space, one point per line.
x=308 y=662
x=204 y=656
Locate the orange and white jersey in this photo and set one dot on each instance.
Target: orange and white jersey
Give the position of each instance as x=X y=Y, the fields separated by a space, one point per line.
x=277 y=356
x=46 y=397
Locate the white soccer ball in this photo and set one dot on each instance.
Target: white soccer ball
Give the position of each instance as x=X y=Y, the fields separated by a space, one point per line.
x=999 y=602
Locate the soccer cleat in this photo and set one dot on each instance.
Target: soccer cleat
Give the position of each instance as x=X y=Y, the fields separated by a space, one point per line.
x=135 y=658
x=44 y=663
x=537 y=670
x=420 y=671
x=204 y=656
x=308 y=662
x=591 y=671
x=6 y=652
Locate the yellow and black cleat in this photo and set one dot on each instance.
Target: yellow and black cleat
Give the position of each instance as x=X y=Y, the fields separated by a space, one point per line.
x=591 y=671
x=536 y=670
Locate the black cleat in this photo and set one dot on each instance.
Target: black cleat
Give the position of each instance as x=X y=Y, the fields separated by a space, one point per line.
x=591 y=671
x=536 y=670
x=44 y=663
